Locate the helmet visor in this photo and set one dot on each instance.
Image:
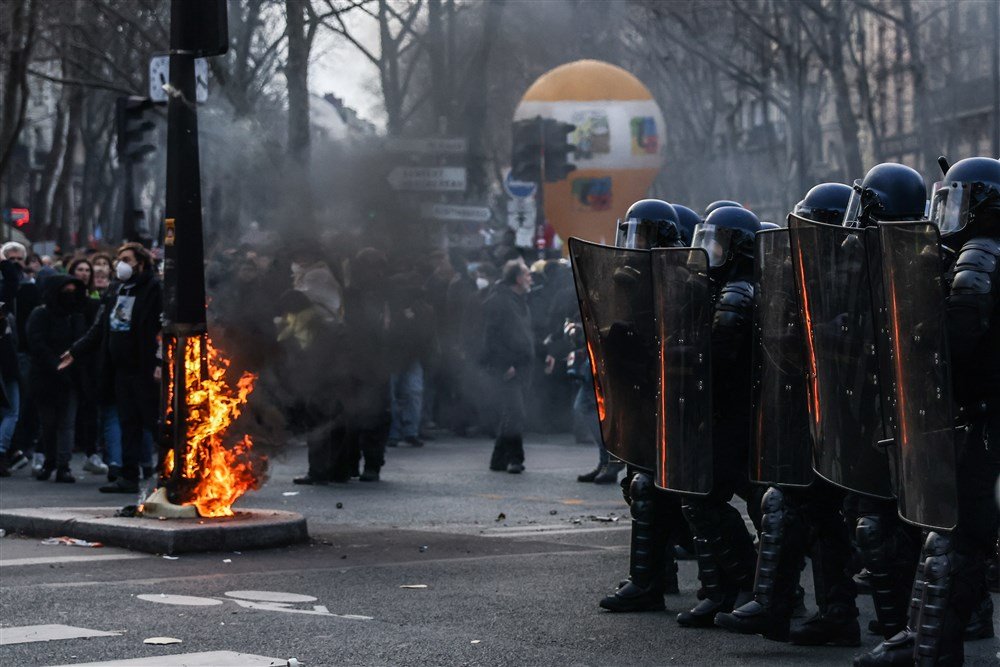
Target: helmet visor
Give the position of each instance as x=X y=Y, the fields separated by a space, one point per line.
x=642 y=234
x=713 y=240
x=852 y=216
x=950 y=206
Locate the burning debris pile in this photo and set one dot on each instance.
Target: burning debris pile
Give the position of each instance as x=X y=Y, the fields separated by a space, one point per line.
x=213 y=469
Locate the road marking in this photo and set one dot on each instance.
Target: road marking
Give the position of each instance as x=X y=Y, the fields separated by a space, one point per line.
x=203 y=659
x=545 y=531
x=45 y=633
x=54 y=560
x=269 y=596
x=317 y=610
x=182 y=600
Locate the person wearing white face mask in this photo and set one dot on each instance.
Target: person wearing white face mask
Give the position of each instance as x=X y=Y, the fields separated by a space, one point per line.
x=126 y=334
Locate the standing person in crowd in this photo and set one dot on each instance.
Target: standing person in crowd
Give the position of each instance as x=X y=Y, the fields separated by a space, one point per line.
x=11 y=273
x=52 y=328
x=508 y=352
x=29 y=297
x=108 y=429
x=87 y=416
x=366 y=395
x=128 y=335
x=411 y=343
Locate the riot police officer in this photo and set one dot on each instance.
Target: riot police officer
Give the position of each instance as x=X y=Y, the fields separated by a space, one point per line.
x=951 y=579
x=623 y=348
x=796 y=500
x=723 y=546
x=687 y=220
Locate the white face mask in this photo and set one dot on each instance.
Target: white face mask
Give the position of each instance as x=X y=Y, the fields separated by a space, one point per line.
x=123 y=271
x=482 y=283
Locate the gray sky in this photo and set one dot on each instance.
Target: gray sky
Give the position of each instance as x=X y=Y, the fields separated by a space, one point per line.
x=338 y=67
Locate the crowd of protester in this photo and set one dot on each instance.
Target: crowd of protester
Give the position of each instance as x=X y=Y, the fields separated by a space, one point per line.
x=356 y=349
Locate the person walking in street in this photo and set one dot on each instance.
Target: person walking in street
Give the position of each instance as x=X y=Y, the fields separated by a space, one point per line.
x=507 y=354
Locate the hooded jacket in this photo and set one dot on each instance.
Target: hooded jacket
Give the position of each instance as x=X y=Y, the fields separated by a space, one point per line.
x=51 y=330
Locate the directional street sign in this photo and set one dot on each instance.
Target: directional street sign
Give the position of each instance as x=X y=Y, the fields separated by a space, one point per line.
x=428 y=179
x=456 y=212
x=159 y=76
x=430 y=145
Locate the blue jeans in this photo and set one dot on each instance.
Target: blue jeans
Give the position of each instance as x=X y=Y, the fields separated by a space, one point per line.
x=585 y=406
x=111 y=431
x=10 y=414
x=406 y=391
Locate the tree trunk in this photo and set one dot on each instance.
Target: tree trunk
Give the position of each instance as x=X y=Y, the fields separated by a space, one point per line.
x=297 y=77
x=15 y=93
x=477 y=106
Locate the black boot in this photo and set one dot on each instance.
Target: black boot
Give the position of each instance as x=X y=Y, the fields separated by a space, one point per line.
x=64 y=476
x=980 y=625
x=498 y=461
x=836 y=621
x=645 y=587
x=725 y=561
x=47 y=469
x=779 y=562
x=890 y=555
x=589 y=477
x=898 y=649
x=609 y=473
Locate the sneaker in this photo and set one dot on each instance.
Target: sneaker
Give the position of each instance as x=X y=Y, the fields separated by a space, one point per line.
x=64 y=476
x=17 y=460
x=310 y=480
x=589 y=477
x=37 y=462
x=413 y=441
x=45 y=472
x=369 y=475
x=515 y=468
x=95 y=465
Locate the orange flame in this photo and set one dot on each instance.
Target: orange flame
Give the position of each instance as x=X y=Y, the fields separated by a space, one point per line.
x=222 y=474
x=597 y=385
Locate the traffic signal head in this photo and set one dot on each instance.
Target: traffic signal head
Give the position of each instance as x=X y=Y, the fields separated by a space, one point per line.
x=557 y=149
x=526 y=150
x=132 y=126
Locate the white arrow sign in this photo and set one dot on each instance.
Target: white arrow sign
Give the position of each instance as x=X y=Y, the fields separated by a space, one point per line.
x=430 y=146
x=435 y=179
x=456 y=212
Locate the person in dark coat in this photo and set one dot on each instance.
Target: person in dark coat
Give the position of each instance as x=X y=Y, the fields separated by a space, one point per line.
x=51 y=329
x=127 y=334
x=507 y=355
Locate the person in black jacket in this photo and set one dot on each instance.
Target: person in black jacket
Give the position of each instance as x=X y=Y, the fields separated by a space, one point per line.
x=127 y=334
x=508 y=352
x=51 y=329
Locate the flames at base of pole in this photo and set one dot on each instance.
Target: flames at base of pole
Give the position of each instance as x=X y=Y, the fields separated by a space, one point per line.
x=213 y=473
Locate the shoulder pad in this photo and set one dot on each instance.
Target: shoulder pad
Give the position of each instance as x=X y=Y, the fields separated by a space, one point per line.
x=977 y=262
x=738 y=293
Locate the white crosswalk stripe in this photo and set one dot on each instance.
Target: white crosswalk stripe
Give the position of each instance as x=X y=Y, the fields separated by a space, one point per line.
x=203 y=659
x=44 y=633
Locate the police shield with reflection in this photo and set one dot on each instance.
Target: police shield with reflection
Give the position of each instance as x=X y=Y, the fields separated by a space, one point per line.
x=615 y=292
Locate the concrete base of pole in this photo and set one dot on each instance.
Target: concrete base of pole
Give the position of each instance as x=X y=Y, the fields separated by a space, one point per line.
x=249 y=529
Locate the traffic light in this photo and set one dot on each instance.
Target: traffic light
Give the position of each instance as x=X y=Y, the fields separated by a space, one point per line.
x=132 y=127
x=526 y=150
x=557 y=150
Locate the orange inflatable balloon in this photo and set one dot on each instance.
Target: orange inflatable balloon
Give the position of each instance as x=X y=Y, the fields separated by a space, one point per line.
x=619 y=140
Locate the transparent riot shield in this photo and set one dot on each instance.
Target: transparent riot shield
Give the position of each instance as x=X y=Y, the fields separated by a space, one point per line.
x=832 y=280
x=614 y=289
x=683 y=306
x=782 y=444
x=920 y=390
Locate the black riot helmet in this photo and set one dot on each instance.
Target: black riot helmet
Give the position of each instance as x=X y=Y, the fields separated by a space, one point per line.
x=826 y=202
x=967 y=202
x=687 y=220
x=889 y=192
x=727 y=236
x=764 y=226
x=649 y=223
x=719 y=204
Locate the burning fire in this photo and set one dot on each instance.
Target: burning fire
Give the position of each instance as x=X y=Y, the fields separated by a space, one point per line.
x=215 y=475
x=598 y=393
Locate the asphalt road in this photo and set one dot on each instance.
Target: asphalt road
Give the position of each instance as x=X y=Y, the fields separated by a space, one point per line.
x=441 y=563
